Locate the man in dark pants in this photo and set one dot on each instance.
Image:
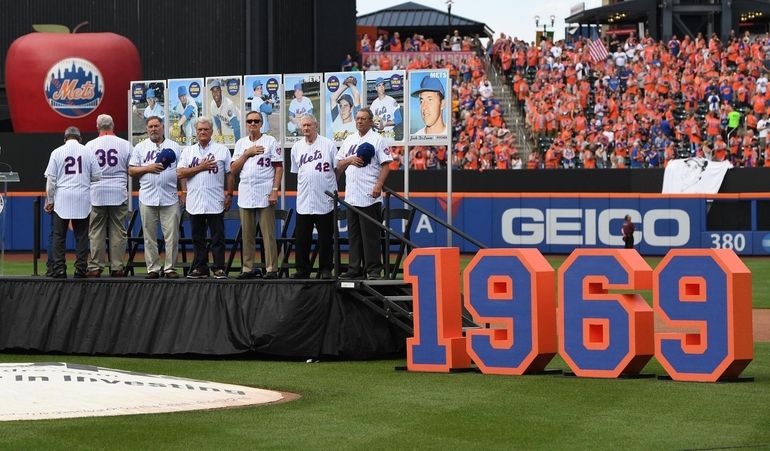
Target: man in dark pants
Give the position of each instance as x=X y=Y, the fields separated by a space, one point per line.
x=70 y=172
x=365 y=158
x=313 y=160
x=206 y=167
x=628 y=232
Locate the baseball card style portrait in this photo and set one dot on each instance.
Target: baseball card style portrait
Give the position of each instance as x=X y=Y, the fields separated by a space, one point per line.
x=224 y=98
x=430 y=107
x=263 y=93
x=385 y=97
x=185 y=104
x=148 y=99
x=344 y=95
x=302 y=94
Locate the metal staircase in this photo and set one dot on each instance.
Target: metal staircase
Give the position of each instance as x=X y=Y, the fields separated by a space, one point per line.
x=392 y=296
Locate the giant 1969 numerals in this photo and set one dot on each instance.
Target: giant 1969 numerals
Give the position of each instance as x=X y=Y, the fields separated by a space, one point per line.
x=604 y=330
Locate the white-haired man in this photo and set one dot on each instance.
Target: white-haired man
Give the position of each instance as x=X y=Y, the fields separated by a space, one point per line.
x=206 y=167
x=109 y=199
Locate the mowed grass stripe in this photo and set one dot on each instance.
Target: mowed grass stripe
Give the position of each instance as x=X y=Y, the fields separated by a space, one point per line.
x=355 y=405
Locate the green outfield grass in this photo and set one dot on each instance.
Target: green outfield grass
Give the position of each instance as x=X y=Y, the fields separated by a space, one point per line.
x=368 y=405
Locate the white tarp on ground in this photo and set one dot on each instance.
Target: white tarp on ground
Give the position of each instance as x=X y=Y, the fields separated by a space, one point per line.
x=36 y=391
x=694 y=176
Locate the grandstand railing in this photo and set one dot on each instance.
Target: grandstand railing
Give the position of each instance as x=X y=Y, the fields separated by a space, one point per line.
x=403 y=58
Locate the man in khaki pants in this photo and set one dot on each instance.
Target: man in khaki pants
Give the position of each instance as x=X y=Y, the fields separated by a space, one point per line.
x=257 y=160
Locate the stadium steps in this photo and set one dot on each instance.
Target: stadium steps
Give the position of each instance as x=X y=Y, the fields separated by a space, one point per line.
x=390 y=298
x=513 y=117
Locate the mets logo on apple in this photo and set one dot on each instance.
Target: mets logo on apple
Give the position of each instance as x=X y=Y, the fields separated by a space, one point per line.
x=74 y=87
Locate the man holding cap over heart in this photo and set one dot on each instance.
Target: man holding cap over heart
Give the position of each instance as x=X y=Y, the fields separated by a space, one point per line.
x=431 y=95
x=364 y=157
x=154 y=162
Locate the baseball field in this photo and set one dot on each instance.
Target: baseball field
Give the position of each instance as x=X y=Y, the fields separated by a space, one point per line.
x=357 y=405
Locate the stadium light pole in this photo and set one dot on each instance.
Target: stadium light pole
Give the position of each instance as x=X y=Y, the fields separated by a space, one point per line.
x=449 y=4
x=545 y=31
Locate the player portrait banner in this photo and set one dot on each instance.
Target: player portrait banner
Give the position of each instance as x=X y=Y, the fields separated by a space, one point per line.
x=223 y=99
x=185 y=104
x=303 y=96
x=430 y=107
x=148 y=99
x=385 y=97
x=264 y=94
x=344 y=95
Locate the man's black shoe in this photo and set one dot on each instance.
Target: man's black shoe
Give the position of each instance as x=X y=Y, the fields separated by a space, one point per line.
x=59 y=275
x=197 y=274
x=247 y=275
x=374 y=277
x=80 y=275
x=152 y=275
x=300 y=275
x=326 y=275
x=350 y=275
x=271 y=275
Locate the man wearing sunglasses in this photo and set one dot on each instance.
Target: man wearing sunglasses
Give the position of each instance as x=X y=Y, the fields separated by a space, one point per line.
x=258 y=161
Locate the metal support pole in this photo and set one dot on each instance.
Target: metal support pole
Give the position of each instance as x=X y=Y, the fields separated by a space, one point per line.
x=36 y=240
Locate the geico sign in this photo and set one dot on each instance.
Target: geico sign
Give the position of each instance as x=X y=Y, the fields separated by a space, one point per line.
x=585 y=227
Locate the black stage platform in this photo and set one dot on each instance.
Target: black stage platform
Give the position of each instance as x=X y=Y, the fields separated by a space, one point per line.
x=133 y=316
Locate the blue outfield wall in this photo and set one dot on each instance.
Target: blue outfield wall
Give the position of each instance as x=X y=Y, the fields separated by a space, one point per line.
x=555 y=224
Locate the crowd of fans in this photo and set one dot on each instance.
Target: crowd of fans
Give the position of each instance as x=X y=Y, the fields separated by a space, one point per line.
x=645 y=104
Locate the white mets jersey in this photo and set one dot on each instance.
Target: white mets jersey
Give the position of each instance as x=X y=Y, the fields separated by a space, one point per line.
x=74 y=167
x=156 y=190
x=112 y=154
x=156 y=110
x=256 y=177
x=206 y=190
x=359 y=182
x=385 y=109
x=297 y=109
x=224 y=112
x=314 y=164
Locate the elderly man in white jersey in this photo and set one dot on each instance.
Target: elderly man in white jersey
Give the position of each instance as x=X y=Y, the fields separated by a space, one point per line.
x=109 y=199
x=313 y=160
x=70 y=172
x=364 y=157
x=257 y=159
x=206 y=167
x=154 y=161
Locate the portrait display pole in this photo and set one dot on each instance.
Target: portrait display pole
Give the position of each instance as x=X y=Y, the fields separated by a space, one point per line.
x=130 y=179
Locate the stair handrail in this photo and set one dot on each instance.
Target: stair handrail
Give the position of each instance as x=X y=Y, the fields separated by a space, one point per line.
x=337 y=201
x=440 y=221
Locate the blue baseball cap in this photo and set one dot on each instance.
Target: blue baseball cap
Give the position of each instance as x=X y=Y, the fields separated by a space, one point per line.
x=365 y=151
x=347 y=98
x=380 y=81
x=166 y=157
x=256 y=84
x=150 y=93
x=430 y=84
x=215 y=84
x=182 y=91
x=298 y=86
